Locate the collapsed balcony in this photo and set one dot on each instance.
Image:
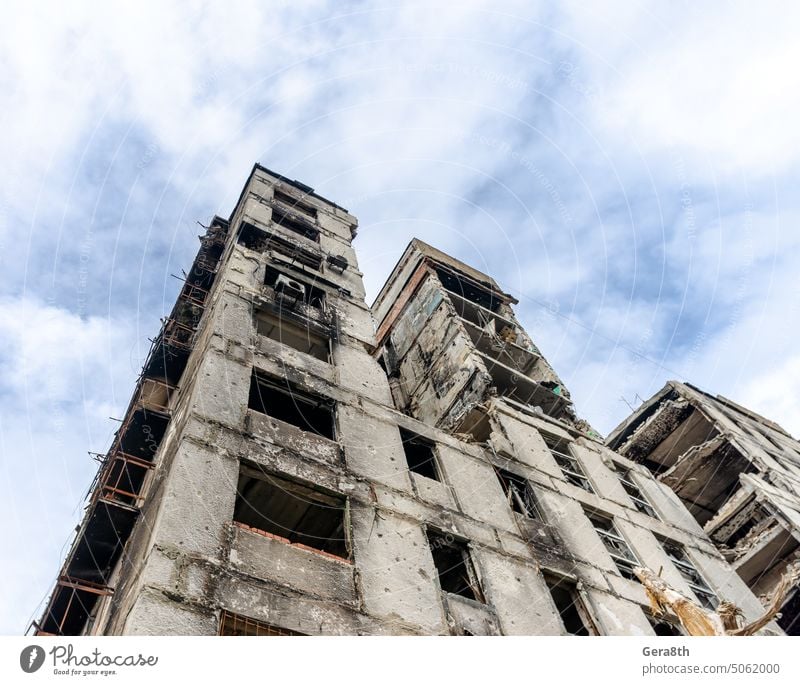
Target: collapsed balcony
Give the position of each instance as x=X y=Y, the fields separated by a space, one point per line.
x=498 y=347
x=706 y=476
x=519 y=389
x=662 y=433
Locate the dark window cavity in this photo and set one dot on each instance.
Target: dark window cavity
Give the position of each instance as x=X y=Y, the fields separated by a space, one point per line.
x=570 y=608
x=420 y=455
x=294 y=223
x=282 y=400
x=259 y=240
x=296 y=512
x=295 y=204
x=454 y=566
x=519 y=494
x=295 y=335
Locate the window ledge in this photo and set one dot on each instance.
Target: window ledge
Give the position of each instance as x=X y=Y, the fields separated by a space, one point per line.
x=286 y=541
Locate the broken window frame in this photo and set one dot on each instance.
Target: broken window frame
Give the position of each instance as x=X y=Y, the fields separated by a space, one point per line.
x=295 y=395
x=570 y=586
x=409 y=437
x=568 y=463
x=525 y=501
x=634 y=491
x=438 y=539
x=616 y=545
x=689 y=572
x=250 y=627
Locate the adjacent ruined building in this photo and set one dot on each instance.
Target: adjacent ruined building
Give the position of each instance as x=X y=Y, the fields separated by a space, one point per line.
x=737 y=473
x=295 y=462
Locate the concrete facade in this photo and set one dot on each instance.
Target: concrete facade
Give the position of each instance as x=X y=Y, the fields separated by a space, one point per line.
x=294 y=461
x=737 y=473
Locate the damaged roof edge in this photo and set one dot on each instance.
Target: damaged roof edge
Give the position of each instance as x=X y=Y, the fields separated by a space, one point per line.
x=749 y=413
x=629 y=425
x=430 y=252
x=302 y=187
x=696 y=396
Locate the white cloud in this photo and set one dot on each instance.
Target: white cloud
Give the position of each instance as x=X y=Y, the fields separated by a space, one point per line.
x=715 y=82
x=61 y=378
x=774 y=393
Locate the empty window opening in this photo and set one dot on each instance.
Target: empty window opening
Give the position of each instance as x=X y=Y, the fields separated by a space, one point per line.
x=570 y=608
x=259 y=240
x=636 y=495
x=519 y=494
x=296 y=204
x=468 y=289
x=616 y=545
x=282 y=400
x=291 y=290
x=141 y=433
x=454 y=566
x=295 y=512
x=420 y=455
x=299 y=337
x=294 y=224
x=569 y=465
x=677 y=554
x=477 y=424
x=156 y=395
x=233 y=624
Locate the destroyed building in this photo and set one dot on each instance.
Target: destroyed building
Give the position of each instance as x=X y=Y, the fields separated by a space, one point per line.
x=737 y=473
x=295 y=462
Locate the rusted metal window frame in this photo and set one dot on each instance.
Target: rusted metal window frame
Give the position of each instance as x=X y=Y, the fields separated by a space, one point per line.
x=262 y=629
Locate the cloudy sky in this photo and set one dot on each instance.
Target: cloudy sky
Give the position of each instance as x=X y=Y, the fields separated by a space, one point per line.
x=628 y=171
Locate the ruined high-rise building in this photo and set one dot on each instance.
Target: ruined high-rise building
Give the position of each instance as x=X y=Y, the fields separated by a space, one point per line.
x=293 y=461
x=737 y=473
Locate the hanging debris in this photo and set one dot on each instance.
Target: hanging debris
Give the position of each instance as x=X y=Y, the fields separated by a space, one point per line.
x=726 y=619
